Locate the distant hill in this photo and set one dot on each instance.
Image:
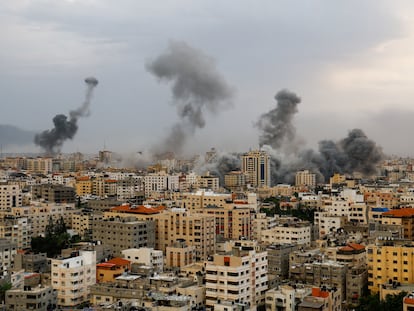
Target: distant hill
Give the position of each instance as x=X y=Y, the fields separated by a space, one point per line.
x=12 y=135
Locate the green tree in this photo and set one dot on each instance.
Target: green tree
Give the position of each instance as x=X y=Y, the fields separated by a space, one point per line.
x=3 y=288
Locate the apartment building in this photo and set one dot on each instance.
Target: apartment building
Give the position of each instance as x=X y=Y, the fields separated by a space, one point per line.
x=40 y=298
x=295 y=232
x=146 y=256
x=239 y=277
x=40 y=214
x=54 y=193
x=404 y=218
x=10 y=196
x=109 y=270
x=321 y=273
x=72 y=276
x=390 y=261
x=17 y=230
x=124 y=232
x=305 y=178
x=180 y=255
x=8 y=251
x=286 y=297
x=322 y=299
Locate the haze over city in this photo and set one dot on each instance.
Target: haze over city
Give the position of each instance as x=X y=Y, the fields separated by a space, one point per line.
x=349 y=63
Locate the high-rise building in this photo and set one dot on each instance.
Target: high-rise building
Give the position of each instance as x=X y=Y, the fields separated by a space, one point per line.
x=256 y=164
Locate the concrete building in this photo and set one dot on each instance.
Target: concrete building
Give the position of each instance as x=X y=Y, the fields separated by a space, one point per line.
x=8 y=251
x=124 y=232
x=17 y=230
x=278 y=259
x=180 y=254
x=239 y=277
x=235 y=181
x=208 y=181
x=389 y=261
x=40 y=298
x=305 y=178
x=109 y=270
x=10 y=196
x=256 y=165
x=321 y=273
x=295 y=232
x=54 y=193
x=82 y=222
x=403 y=217
x=72 y=276
x=39 y=215
x=195 y=229
x=286 y=297
x=322 y=299
x=146 y=256
x=38 y=165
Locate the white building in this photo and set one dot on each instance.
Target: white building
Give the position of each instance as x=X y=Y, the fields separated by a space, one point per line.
x=70 y=277
x=288 y=233
x=328 y=223
x=147 y=256
x=238 y=277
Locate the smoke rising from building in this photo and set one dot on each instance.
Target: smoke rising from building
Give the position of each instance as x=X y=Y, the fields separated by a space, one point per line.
x=196 y=86
x=276 y=125
x=354 y=153
x=52 y=140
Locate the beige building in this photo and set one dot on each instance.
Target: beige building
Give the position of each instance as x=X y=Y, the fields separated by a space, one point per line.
x=39 y=214
x=146 y=256
x=180 y=255
x=322 y=299
x=288 y=233
x=17 y=230
x=40 y=298
x=82 y=222
x=38 y=165
x=10 y=196
x=305 y=178
x=235 y=181
x=256 y=165
x=239 y=277
x=8 y=251
x=71 y=278
x=286 y=297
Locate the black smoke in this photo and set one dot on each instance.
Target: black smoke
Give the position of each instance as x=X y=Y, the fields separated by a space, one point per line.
x=65 y=128
x=355 y=153
x=196 y=86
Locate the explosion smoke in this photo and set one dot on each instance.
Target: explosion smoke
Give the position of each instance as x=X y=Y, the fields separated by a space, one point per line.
x=52 y=140
x=355 y=153
x=276 y=125
x=196 y=86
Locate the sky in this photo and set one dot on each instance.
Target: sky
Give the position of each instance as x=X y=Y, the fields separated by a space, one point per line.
x=350 y=62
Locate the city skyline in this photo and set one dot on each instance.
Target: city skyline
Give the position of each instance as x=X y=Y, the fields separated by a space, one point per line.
x=348 y=74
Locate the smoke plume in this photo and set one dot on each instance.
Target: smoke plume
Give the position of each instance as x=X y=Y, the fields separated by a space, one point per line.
x=354 y=153
x=52 y=140
x=221 y=164
x=276 y=125
x=196 y=86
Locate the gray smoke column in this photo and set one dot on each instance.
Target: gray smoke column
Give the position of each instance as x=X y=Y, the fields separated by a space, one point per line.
x=276 y=125
x=196 y=86
x=52 y=140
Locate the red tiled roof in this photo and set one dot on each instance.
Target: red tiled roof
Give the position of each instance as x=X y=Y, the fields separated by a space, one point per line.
x=409 y=301
x=402 y=212
x=317 y=292
x=352 y=247
x=119 y=261
x=139 y=209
